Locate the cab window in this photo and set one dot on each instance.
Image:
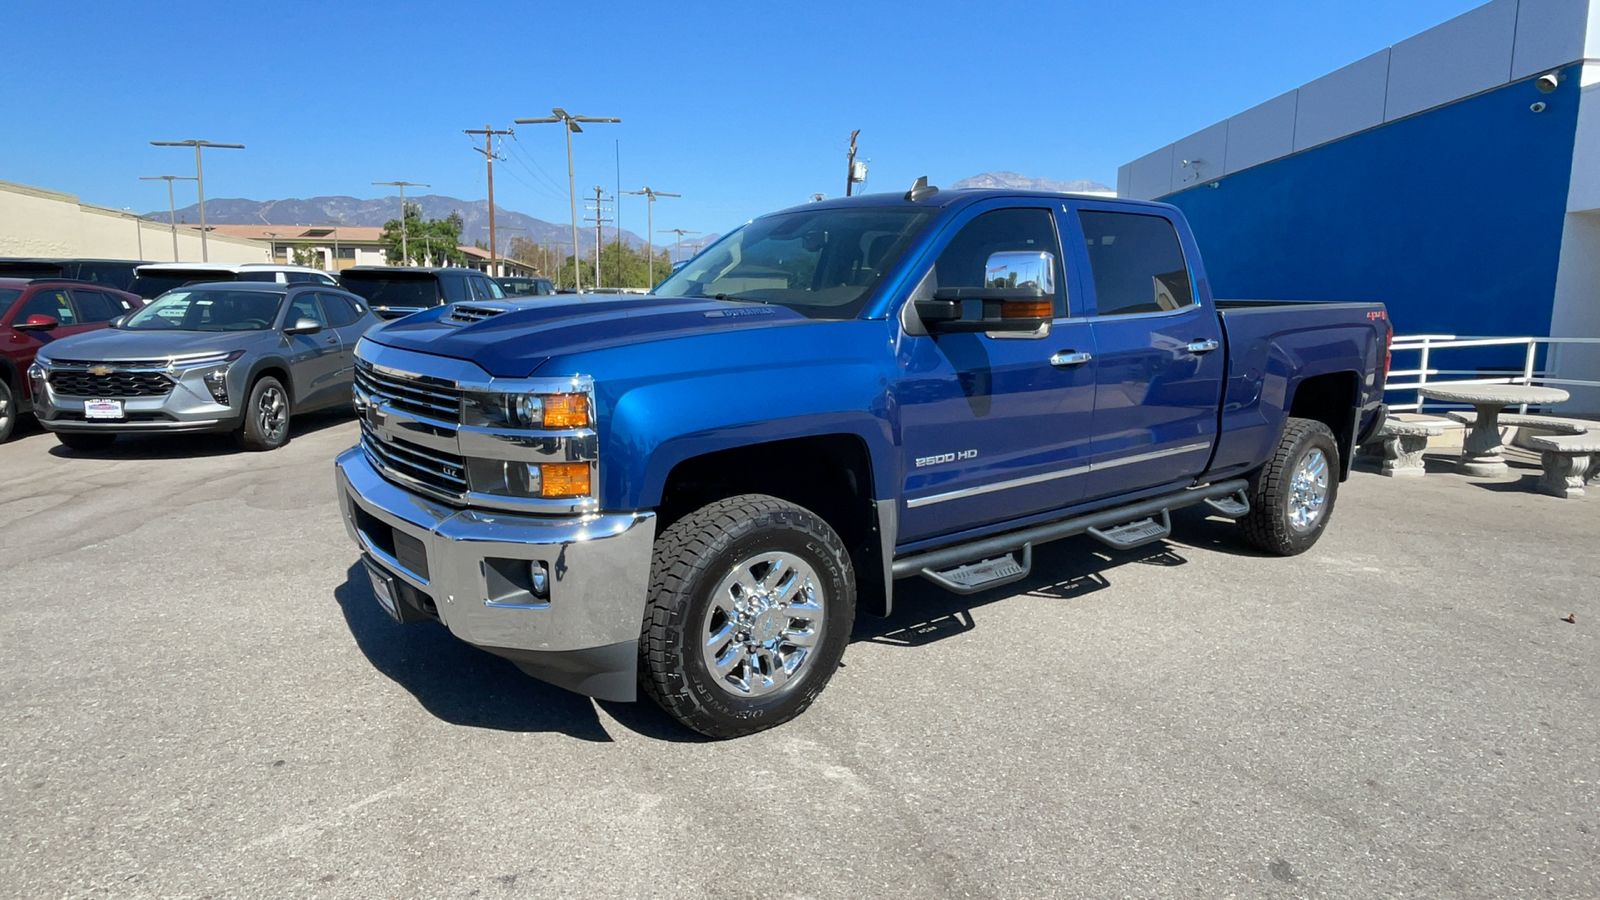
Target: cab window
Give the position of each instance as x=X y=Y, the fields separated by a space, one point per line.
x=48 y=303
x=1137 y=263
x=964 y=261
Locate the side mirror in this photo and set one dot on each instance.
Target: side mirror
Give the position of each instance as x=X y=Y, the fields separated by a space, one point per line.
x=37 y=323
x=304 y=326
x=1018 y=295
x=117 y=322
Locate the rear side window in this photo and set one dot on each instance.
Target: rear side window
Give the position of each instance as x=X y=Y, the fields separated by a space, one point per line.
x=393 y=292
x=455 y=289
x=48 y=303
x=300 y=278
x=305 y=306
x=341 y=312
x=254 y=276
x=1137 y=263
x=489 y=289
x=94 y=306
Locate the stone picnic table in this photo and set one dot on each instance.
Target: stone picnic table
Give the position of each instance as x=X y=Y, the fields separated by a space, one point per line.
x=1481 y=449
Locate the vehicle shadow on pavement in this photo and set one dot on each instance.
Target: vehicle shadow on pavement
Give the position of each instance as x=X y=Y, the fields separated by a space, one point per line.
x=195 y=446
x=1070 y=570
x=457 y=682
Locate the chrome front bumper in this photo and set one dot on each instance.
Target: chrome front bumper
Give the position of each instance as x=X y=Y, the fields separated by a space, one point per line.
x=583 y=637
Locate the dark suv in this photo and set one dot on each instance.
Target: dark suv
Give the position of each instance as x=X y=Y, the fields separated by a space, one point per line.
x=36 y=312
x=117 y=273
x=395 y=291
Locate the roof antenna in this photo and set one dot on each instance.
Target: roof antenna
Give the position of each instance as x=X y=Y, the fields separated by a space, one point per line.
x=921 y=189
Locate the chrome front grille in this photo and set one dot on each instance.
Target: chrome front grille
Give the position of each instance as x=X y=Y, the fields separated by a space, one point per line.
x=443 y=472
x=434 y=398
x=70 y=383
x=463 y=313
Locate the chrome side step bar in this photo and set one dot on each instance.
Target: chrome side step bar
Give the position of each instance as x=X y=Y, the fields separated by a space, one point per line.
x=992 y=549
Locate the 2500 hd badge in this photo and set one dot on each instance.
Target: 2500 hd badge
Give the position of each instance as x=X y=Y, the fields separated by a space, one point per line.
x=945 y=458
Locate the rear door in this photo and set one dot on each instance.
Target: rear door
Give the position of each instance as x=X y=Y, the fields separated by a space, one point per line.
x=1158 y=347
x=991 y=430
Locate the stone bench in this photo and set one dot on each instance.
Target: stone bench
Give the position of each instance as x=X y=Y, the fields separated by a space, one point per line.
x=1553 y=424
x=1570 y=461
x=1400 y=444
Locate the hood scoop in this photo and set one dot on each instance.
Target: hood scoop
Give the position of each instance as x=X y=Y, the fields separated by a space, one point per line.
x=466 y=313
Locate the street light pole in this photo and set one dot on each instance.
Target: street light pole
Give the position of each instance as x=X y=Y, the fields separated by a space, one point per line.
x=405 y=254
x=200 y=181
x=650 y=228
x=570 y=124
x=172 y=209
x=680 y=233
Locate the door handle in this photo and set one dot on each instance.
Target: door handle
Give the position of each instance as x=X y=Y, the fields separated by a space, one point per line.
x=1066 y=359
x=333 y=339
x=1204 y=346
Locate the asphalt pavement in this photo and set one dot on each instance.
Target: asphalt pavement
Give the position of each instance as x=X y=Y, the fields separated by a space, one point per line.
x=199 y=697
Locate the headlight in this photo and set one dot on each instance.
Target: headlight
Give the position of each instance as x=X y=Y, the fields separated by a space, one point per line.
x=36 y=382
x=217 y=383
x=204 y=359
x=528 y=411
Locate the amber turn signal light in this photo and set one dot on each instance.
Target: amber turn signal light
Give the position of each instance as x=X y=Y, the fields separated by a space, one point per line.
x=1027 y=309
x=566 y=411
x=564 y=480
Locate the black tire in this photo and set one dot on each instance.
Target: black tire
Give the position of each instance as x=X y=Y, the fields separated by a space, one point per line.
x=8 y=411
x=695 y=557
x=84 y=442
x=1271 y=525
x=262 y=430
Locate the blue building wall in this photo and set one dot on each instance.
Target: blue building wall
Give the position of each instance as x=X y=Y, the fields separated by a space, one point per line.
x=1452 y=217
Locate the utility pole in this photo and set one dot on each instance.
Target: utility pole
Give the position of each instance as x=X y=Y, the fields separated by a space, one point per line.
x=650 y=226
x=172 y=209
x=200 y=181
x=678 y=253
x=405 y=254
x=570 y=125
x=487 y=150
x=850 y=164
x=599 y=236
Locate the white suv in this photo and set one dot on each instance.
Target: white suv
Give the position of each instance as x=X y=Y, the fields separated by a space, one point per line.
x=155 y=279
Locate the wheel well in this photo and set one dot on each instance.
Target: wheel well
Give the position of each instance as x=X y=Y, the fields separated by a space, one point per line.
x=275 y=371
x=831 y=475
x=1331 y=400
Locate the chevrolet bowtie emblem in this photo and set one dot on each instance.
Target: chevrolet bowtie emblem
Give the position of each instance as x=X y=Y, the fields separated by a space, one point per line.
x=101 y=370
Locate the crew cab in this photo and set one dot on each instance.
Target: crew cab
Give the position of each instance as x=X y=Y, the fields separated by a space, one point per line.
x=694 y=493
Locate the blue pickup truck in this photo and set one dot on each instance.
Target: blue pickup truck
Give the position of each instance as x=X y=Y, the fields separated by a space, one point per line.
x=694 y=493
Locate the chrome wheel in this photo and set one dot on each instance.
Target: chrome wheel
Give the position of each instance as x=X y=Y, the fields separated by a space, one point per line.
x=1308 y=491
x=5 y=410
x=272 y=413
x=764 y=621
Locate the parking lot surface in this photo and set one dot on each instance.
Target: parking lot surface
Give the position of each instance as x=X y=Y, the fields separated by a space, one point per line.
x=202 y=699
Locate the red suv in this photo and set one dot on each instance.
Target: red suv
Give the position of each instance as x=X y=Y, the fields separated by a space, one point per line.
x=34 y=313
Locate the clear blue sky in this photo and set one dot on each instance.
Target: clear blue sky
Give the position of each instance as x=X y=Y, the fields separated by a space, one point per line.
x=742 y=107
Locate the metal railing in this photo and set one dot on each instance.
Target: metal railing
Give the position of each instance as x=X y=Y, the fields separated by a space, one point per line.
x=1429 y=346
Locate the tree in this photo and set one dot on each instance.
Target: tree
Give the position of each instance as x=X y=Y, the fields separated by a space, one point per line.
x=431 y=242
x=310 y=257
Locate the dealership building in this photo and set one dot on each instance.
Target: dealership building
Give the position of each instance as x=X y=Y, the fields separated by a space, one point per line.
x=1454 y=176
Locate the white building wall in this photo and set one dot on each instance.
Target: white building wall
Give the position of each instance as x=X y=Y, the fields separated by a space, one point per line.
x=1576 y=312
x=1466 y=55
x=1260 y=134
x=1342 y=102
x=36 y=222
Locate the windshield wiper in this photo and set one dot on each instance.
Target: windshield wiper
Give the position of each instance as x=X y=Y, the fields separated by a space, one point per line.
x=739 y=299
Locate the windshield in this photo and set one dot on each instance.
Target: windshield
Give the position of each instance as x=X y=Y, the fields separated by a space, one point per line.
x=822 y=263
x=154 y=284
x=212 y=310
x=390 y=292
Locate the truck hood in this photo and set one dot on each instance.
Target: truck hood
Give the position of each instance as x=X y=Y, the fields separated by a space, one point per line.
x=516 y=341
x=110 y=344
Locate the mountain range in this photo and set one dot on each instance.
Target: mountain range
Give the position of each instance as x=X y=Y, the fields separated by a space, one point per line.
x=475 y=213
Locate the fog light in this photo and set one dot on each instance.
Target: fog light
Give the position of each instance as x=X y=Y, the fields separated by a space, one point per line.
x=539 y=579
x=564 y=480
x=36 y=382
x=217 y=383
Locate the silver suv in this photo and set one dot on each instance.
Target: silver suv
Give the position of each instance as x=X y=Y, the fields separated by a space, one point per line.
x=238 y=357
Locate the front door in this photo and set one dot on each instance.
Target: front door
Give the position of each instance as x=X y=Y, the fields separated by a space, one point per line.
x=317 y=359
x=990 y=429
x=1159 y=351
